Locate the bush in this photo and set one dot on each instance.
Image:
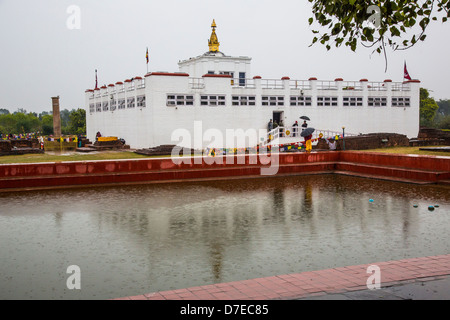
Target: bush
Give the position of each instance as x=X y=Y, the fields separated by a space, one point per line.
x=444 y=122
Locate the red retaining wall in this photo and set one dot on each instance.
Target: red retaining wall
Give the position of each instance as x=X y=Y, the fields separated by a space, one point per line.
x=152 y=170
x=397 y=160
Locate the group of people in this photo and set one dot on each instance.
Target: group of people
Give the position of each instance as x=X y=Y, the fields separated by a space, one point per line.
x=295 y=127
x=274 y=124
x=332 y=142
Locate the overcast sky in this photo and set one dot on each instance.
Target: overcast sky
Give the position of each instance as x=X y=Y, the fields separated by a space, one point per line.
x=41 y=56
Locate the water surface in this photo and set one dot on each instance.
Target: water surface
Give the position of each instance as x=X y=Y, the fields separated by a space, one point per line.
x=132 y=240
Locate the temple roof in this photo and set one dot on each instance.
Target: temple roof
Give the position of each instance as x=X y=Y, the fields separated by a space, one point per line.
x=213 y=41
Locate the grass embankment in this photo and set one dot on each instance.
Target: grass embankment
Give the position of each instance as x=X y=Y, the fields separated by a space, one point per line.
x=410 y=150
x=114 y=155
x=51 y=157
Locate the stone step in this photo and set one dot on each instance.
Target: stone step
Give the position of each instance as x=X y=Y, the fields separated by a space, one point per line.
x=394 y=172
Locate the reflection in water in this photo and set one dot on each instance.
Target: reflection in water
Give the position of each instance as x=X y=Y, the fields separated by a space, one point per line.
x=138 y=239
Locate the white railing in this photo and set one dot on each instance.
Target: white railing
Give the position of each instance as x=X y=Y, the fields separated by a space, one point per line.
x=300 y=84
x=242 y=83
x=327 y=85
x=399 y=86
x=352 y=85
x=196 y=83
x=278 y=133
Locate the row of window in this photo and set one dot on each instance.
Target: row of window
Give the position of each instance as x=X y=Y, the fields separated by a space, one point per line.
x=243 y=100
x=114 y=104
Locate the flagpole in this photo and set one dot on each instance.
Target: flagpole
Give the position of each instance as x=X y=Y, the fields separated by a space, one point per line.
x=146 y=56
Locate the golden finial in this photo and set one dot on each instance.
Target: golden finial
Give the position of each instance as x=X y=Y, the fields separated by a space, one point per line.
x=213 y=42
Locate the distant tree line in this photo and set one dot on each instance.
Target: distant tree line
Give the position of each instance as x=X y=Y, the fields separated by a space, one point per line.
x=73 y=122
x=434 y=114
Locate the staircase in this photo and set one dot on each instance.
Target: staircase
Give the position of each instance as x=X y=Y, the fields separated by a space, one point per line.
x=285 y=135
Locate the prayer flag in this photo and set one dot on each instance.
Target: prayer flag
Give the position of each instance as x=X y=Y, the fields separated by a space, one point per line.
x=405 y=73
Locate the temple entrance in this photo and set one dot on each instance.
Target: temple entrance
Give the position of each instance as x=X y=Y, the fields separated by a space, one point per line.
x=278 y=116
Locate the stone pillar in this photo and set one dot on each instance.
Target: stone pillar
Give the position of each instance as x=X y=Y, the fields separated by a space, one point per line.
x=56 y=117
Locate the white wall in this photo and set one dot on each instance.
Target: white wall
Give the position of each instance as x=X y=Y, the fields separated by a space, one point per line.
x=154 y=125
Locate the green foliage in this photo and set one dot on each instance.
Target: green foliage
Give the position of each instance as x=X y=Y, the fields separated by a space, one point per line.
x=444 y=107
x=444 y=122
x=397 y=23
x=428 y=108
x=77 y=121
x=20 y=122
x=47 y=125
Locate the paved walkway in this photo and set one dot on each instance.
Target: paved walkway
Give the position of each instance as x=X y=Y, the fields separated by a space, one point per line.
x=416 y=278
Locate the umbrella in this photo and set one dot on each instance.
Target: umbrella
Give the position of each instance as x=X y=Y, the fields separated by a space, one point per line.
x=307 y=132
x=304 y=118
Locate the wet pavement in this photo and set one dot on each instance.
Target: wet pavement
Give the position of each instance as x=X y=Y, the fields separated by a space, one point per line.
x=425 y=278
x=438 y=289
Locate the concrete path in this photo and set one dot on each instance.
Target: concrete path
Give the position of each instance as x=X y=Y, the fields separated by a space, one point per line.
x=416 y=278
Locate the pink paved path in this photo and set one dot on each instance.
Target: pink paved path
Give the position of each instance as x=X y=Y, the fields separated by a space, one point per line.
x=300 y=285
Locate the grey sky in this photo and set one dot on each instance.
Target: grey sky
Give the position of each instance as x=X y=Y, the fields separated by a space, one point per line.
x=41 y=57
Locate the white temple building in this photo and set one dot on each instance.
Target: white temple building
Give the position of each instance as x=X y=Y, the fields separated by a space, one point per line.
x=214 y=94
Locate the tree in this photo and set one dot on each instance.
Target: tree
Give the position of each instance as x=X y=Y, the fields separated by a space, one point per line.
x=444 y=122
x=376 y=24
x=47 y=124
x=444 y=107
x=428 y=108
x=4 y=111
x=77 y=121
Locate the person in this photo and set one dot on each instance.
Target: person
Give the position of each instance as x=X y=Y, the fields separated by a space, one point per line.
x=308 y=143
x=281 y=128
x=332 y=143
x=304 y=125
x=275 y=124
x=270 y=125
x=98 y=135
x=294 y=128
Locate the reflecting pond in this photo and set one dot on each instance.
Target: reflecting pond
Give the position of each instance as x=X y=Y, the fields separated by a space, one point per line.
x=131 y=240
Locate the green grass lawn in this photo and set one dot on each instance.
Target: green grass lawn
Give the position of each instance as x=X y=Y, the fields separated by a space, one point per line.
x=113 y=155
x=51 y=157
x=409 y=150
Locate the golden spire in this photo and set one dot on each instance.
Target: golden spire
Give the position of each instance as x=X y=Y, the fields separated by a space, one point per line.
x=213 y=42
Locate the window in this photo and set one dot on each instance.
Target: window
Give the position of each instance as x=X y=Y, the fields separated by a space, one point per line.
x=105 y=105
x=243 y=100
x=91 y=108
x=242 y=79
x=327 y=101
x=180 y=100
x=353 y=101
x=121 y=104
x=212 y=100
x=301 y=101
x=141 y=101
x=113 y=105
x=227 y=73
x=98 y=107
x=272 y=100
x=377 y=101
x=130 y=102
x=400 y=102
